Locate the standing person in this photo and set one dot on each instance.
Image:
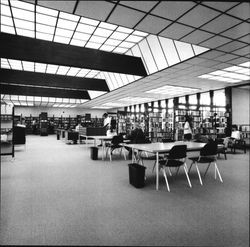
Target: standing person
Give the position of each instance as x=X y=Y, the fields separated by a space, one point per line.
x=107 y=123
x=187 y=129
x=80 y=129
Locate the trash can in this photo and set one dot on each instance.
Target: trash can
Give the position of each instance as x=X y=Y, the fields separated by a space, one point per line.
x=136 y=175
x=94 y=153
x=58 y=135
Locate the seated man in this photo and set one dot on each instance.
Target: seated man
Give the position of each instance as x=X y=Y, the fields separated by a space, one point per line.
x=235 y=135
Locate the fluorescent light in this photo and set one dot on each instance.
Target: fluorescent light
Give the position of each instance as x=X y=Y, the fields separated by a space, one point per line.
x=60 y=39
x=136 y=99
x=71 y=25
x=46 y=11
x=93 y=45
x=108 y=25
x=97 y=39
x=62 y=70
x=112 y=42
x=114 y=104
x=45 y=28
x=23 y=14
x=64 y=32
x=139 y=33
x=101 y=107
x=24 y=32
x=22 y=5
x=120 y=50
x=45 y=19
x=78 y=42
x=44 y=36
x=81 y=36
x=7 y=29
x=134 y=38
x=107 y=47
x=126 y=44
x=40 y=67
x=124 y=29
x=103 y=32
x=5 y=20
x=172 y=90
x=71 y=17
x=118 y=35
x=89 y=21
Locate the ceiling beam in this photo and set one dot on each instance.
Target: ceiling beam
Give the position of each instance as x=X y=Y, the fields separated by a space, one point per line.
x=43 y=92
x=51 y=80
x=29 y=49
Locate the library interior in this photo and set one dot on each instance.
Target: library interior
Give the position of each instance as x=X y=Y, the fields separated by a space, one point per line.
x=125 y=123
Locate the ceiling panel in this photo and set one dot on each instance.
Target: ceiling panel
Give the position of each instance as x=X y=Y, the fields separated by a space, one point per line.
x=220 y=24
x=237 y=31
x=198 y=16
x=239 y=60
x=125 y=16
x=231 y=46
x=225 y=58
x=215 y=42
x=152 y=24
x=241 y=11
x=197 y=37
x=63 y=5
x=246 y=38
x=172 y=9
x=223 y=6
x=98 y=10
x=176 y=31
x=146 y=6
x=242 y=51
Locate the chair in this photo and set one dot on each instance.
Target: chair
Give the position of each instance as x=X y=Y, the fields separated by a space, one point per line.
x=221 y=148
x=115 y=144
x=208 y=154
x=176 y=158
x=237 y=144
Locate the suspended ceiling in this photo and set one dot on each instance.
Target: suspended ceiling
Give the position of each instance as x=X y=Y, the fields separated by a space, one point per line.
x=220 y=27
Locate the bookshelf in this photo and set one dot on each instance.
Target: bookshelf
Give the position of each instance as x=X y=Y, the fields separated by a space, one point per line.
x=7 y=125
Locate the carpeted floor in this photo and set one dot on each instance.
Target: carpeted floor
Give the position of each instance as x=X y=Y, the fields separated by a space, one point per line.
x=54 y=194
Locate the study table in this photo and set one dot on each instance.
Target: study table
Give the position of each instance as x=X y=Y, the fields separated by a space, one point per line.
x=159 y=147
x=103 y=140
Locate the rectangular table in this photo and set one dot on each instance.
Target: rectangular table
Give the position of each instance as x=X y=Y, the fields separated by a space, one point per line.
x=159 y=147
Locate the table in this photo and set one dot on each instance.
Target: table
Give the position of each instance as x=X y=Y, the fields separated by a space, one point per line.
x=103 y=140
x=159 y=147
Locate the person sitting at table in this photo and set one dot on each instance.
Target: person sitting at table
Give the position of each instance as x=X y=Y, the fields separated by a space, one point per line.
x=136 y=136
x=235 y=135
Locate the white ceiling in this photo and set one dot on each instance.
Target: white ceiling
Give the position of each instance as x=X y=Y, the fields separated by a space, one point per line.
x=223 y=27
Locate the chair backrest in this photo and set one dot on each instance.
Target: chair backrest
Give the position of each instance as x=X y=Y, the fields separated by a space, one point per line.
x=209 y=149
x=178 y=152
x=117 y=139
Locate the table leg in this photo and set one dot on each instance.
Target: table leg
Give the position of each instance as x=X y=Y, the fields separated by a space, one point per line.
x=157 y=170
x=102 y=149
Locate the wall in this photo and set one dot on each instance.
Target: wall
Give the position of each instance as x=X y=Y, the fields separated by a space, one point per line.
x=240 y=106
x=57 y=112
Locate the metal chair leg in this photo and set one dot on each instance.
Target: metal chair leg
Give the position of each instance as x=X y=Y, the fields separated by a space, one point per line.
x=207 y=169
x=199 y=174
x=166 y=179
x=190 y=167
x=186 y=172
x=216 y=168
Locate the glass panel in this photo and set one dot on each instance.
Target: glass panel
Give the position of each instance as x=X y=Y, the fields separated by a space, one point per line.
x=63 y=32
x=119 y=36
x=66 y=24
x=148 y=56
x=78 y=42
x=182 y=100
x=97 y=39
x=73 y=71
x=193 y=99
x=170 y=103
x=112 y=42
x=107 y=26
x=89 y=21
x=45 y=19
x=93 y=45
x=169 y=51
x=24 y=24
x=23 y=14
x=184 y=49
x=205 y=99
x=157 y=52
x=45 y=28
x=51 y=68
x=61 y=39
x=219 y=98
x=62 y=70
x=198 y=49
x=107 y=48
x=134 y=38
x=6 y=21
x=46 y=11
x=5 y=10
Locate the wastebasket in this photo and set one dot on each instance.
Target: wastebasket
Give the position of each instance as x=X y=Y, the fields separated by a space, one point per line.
x=58 y=136
x=136 y=175
x=94 y=153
